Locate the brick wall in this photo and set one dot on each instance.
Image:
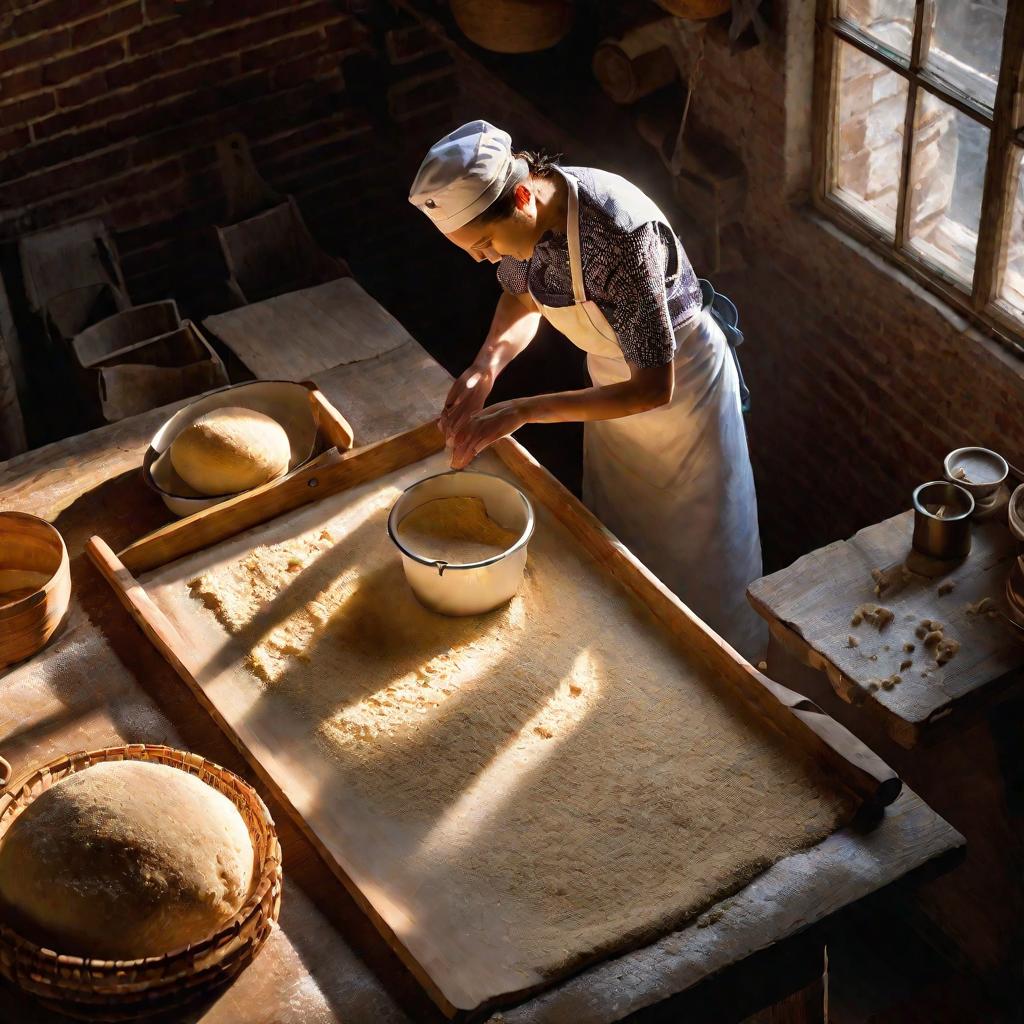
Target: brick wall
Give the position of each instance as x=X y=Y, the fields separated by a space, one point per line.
x=862 y=381
x=113 y=108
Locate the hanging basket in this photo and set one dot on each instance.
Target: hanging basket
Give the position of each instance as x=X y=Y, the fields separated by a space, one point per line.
x=513 y=26
x=123 y=990
x=695 y=10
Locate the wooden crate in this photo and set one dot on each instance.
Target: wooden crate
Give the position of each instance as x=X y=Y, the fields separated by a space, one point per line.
x=454 y=985
x=159 y=370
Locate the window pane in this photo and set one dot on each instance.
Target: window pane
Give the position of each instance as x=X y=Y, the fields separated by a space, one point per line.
x=947 y=177
x=966 y=44
x=871 y=109
x=891 y=22
x=1012 y=289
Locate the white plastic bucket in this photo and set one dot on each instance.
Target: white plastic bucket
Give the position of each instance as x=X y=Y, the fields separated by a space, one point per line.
x=469 y=588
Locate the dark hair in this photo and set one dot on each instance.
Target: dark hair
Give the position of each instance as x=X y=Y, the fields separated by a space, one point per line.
x=529 y=162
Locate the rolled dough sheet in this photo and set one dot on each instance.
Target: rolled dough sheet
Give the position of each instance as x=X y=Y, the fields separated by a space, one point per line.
x=516 y=793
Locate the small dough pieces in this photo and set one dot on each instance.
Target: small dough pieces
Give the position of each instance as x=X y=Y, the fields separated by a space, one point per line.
x=878 y=616
x=125 y=859
x=230 y=450
x=454 y=530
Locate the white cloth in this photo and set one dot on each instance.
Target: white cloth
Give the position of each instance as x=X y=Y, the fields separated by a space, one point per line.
x=674 y=484
x=462 y=174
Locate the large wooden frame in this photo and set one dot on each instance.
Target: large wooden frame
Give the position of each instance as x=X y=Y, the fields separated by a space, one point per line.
x=849 y=763
x=1005 y=122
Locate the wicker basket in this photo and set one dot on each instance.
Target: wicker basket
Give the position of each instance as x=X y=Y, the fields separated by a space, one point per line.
x=120 y=990
x=513 y=26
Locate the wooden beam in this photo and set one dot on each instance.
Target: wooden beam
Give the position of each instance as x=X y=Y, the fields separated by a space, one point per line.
x=922 y=22
x=327 y=474
x=824 y=99
x=1000 y=182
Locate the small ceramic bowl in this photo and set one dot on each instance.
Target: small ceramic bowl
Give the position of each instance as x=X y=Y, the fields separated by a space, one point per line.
x=979 y=471
x=1015 y=513
x=35 y=584
x=471 y=588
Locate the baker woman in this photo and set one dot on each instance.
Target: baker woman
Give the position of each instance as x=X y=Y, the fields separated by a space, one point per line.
x=666 y=466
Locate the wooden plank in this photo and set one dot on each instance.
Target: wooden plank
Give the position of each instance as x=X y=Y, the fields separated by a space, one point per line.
x=847 y=758
x=809 y=606
x=335 y=427
x=918 y=51
x=321 y=478
x=325 y=326
x=1000 y=183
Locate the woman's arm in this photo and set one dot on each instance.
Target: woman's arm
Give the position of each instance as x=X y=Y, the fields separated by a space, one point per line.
x=647 y=388
x=513 y=326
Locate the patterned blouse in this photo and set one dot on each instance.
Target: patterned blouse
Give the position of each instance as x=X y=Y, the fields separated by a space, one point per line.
x=641 y=280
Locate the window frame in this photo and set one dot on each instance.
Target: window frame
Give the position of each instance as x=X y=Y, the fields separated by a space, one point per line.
x=980 y=301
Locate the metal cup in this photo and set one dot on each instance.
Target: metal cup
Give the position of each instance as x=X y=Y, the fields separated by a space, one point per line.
x=942 y=520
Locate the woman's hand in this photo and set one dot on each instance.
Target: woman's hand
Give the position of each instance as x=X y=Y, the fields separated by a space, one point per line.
x=484 y=428
x=466 y=397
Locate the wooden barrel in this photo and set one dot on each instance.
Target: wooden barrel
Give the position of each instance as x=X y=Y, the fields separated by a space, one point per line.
x=626 y=79
x=513 y=26
x=695 y=10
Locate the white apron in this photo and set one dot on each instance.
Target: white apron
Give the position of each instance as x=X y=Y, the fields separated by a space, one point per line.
x=674 y=484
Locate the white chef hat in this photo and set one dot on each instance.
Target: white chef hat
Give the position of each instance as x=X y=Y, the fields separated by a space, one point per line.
x=463 y=174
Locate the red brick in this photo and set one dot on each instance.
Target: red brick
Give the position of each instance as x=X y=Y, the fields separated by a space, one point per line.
x=131 y=72
x=410 y=42
x=64 y=178
x=26 y=110
x=40 y=17
x=346 y=35
x=84 y=90
x=16 y=53
x=282 y=49
x=83 y=61
x=202 y=23
x=13 y=140
x=21 y=83
x=302 y=70
x=421 y=92
x=110 y=23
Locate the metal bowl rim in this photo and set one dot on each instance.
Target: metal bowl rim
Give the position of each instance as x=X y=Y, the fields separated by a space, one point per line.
x=918 y=507
x=523 y=540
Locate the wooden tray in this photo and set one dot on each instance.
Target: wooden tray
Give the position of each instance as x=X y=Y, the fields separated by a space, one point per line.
x=849 y=764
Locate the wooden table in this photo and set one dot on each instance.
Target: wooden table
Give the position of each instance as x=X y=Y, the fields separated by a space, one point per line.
x=99 y=682
x=298 y=334
x=953 y=734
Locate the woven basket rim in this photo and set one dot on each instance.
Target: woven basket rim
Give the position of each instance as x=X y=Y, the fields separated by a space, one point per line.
x=266 y=874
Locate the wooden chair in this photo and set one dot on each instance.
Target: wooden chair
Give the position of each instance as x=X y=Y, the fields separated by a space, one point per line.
x=273 y=253
x=72 y=276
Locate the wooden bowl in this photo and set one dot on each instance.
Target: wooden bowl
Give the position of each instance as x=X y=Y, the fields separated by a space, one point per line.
x=122 y=990
x=513 y=26
x=35 y=584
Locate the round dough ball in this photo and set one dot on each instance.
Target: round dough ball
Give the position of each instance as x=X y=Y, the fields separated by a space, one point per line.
x=230 y=450
x=125 y=859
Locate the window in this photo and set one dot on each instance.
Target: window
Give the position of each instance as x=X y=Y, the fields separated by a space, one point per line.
x=920 y=142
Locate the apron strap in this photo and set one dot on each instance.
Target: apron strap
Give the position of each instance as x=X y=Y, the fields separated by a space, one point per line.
x=579 y=293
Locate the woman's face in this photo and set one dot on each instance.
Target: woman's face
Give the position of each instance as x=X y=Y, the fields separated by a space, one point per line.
x=512 y=235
